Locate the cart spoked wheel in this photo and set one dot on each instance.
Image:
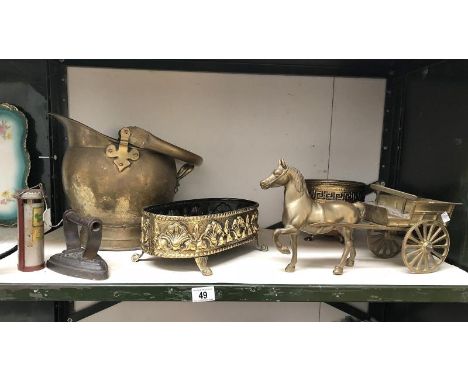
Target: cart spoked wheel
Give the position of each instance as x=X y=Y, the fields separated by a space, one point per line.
x=383 y=244
x=425 y=246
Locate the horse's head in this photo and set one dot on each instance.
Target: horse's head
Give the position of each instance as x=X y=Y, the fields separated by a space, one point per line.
x=278 y=177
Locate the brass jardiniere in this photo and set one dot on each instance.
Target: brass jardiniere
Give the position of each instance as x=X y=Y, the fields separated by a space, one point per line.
x=198 y=228
x=331 y=189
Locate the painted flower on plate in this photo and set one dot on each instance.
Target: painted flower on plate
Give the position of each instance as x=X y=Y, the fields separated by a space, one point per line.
x=5 y=197
x=4 y=130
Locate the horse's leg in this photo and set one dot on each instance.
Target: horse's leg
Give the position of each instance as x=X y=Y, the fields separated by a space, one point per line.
x=346 y=232
x=283 y=231
x=352 y=249
x=292 y=265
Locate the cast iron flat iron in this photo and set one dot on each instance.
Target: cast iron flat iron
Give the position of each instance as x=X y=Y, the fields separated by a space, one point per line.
x=77 y=261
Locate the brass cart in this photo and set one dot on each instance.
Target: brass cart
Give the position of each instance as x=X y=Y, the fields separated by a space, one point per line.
x=398 y=221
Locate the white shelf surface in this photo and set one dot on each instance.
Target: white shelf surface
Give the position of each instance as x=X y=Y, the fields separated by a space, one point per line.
x=242 y=265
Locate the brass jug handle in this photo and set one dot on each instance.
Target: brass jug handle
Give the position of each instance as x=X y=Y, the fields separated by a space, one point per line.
x=145 y=140
x=186 y=169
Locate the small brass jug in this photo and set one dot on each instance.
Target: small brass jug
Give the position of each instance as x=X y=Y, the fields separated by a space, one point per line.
x=113 y=180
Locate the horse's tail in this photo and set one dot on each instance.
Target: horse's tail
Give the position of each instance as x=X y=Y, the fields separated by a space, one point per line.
x=362 y=209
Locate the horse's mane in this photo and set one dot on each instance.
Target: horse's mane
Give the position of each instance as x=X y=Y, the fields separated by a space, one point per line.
x=299 y=182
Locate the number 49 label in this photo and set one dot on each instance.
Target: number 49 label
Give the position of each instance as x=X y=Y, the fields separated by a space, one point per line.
x=203 y=294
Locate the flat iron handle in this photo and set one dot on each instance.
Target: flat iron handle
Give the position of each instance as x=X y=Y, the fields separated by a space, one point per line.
x=71 y=221
x=77 y=219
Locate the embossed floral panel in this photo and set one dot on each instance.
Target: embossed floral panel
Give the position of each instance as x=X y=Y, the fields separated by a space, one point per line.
x=15 y=160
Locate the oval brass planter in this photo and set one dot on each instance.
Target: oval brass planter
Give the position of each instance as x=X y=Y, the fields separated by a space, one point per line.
x=198 y=228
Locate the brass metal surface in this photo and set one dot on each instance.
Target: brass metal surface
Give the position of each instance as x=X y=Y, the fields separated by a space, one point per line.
x=330 y=189
x=423 y=248
x=426 y=245
x=302 y=213
x=376 y=214
x=96 y=184
x=122 y=153
x=198 y=228
x=426 y=241
x=400 y=209
x=390 y=191
x=384 y=244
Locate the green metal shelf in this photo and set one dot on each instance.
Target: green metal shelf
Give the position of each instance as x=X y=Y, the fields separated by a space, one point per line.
x=233 y=292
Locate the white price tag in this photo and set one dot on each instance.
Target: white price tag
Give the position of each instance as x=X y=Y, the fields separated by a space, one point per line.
x=203 y=294
x=445 y=217
x=47 y=220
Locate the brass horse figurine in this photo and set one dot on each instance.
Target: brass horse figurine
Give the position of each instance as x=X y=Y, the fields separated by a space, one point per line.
x=302 y=213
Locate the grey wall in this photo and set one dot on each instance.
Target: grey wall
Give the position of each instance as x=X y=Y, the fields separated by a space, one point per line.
x=241 y=124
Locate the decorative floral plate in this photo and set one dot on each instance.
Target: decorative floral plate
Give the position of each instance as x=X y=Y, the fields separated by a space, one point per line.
x=15 y=160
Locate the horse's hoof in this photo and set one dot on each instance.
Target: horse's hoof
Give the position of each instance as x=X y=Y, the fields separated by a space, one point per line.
x=350 y=263
x=290 y=268
x=338 y=270
x=207 y=272
x=285 y=250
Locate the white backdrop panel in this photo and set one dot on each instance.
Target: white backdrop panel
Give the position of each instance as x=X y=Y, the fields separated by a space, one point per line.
x=240 y=123
x=356 y=134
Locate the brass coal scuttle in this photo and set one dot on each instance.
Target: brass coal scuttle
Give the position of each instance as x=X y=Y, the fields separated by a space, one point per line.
x=114 y=179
